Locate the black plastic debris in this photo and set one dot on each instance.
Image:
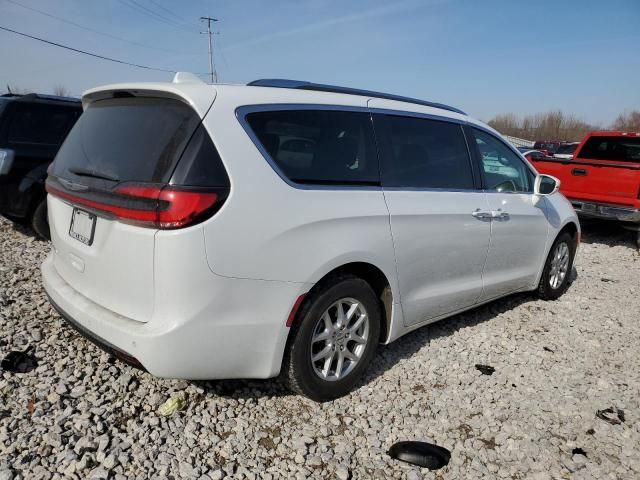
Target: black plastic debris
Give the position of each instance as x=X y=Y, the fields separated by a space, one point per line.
x=591 y=431
x=18 y=362
x=578 y=451
x=612 y=415
x=547 y=349
x=422 y=454
x=485 y=369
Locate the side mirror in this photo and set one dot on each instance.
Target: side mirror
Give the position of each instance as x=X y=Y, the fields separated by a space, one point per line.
x=6 y=160
x=546 y=185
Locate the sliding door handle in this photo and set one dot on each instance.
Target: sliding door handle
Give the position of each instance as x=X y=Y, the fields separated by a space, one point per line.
x=481 y=214
x=499 y=214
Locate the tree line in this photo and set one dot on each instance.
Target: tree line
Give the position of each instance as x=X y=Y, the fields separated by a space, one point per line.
x=557 y=125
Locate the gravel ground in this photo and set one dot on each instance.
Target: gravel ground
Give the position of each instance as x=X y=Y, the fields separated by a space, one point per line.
x=81 y=414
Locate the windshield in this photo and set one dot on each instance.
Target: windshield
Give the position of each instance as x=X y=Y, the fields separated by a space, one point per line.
x=127 y=139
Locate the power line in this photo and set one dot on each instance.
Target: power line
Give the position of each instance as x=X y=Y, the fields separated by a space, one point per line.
x=87 y=53
x=152 y=14
x=90 y=29
x=171 y=14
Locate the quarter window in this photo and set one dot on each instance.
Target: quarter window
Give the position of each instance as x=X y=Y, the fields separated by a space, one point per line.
x=503 y=170
x=328 y=147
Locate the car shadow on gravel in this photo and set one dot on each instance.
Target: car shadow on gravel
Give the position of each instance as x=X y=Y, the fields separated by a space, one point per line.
x=387 y=355
x=607 y=233
x=408 y=345
x=22 y=228
x=241 y=388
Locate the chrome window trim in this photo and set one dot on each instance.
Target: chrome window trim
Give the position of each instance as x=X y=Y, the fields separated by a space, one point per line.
x=426 y=116
x=432 y=189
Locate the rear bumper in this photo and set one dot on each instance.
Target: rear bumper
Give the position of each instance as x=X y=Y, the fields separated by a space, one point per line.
x=101 y=343
x=238 y=331
x=606 y=211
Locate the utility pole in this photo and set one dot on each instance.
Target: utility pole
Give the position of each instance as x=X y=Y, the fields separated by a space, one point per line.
x=212 y=68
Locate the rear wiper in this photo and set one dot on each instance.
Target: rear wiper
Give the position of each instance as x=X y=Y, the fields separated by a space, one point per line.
x=86 y=172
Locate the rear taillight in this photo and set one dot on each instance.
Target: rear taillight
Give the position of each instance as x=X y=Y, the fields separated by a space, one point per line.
x=149 y=206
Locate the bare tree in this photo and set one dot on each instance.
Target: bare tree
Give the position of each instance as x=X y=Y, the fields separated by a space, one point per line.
x=628 y=121
x=61 y=91
x=16 y=90
x=553 y=125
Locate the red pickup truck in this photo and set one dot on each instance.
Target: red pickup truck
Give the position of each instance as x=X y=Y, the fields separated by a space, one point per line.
x=603 y=178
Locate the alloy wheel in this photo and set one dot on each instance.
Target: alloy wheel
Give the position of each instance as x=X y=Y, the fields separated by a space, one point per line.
x=339 y=339
x=559 y=265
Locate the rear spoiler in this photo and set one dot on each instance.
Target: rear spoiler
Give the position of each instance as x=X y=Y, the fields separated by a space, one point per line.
x=194 y=93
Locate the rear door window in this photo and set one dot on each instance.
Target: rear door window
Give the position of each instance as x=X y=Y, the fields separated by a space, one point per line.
x=127 y=139
x=621 y=149
x=423 y=153
x=329 y=147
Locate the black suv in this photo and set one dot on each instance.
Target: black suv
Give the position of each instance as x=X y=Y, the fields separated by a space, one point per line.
x=32 y=128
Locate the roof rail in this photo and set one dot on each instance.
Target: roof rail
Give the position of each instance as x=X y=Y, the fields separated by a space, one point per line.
x=319 y=87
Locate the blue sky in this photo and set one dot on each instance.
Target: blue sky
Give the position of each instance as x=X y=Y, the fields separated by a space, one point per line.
x=486 y=57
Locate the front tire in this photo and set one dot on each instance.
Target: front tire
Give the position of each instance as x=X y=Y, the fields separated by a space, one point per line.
x=40 y=221
x=333 y=339
x=557 y=269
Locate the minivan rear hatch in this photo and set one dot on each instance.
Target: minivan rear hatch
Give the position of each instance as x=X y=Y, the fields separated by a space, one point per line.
x=110 y=190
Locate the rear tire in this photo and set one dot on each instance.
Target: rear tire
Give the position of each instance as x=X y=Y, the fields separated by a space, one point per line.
x=343 y=345
x=40 y=221
x=558 y=268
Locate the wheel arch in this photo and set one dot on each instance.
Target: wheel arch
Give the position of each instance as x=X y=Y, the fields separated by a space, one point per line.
x=572 y=228
x=375 y=277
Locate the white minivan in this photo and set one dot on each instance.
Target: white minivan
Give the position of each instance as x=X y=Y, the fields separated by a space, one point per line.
x=221 y=231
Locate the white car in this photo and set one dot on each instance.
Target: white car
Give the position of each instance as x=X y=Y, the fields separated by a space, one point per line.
x=219 y=231
x=566 y=150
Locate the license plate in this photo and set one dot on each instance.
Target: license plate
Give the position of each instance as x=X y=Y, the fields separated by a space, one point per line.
x=83 y=226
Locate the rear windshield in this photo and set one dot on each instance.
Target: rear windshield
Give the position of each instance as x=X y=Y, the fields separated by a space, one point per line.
x=40 y=124
x=127 y=139
x=566 y=149
x=545 y=146
x=621 y=149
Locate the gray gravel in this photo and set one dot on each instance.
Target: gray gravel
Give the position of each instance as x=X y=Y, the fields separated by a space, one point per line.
x=80 y=414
